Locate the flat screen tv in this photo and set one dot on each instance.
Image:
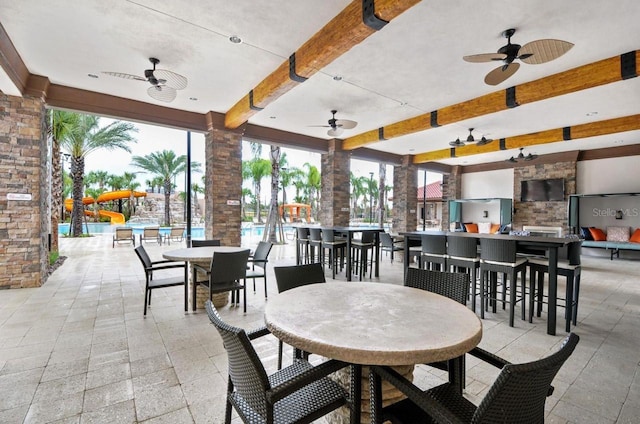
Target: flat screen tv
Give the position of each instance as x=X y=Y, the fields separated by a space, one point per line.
x=551 y=190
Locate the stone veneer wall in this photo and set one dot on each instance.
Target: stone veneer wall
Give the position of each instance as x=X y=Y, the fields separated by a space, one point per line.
x=223 y=150
x=546 y=214
x=405 y=201
x=23 y=163
x=336 y=187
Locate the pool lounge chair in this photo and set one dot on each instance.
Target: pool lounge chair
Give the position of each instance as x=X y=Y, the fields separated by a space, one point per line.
x=123 y=235
x=151 y=234
x=175 y=234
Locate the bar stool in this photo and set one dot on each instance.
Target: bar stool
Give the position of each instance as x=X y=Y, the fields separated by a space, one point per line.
x=434 y=252
x=360 y=253
x=571 y=269
x=302 y=245
x=335 y=247
x=462 y=253
x=315 y=241
x=499 y=256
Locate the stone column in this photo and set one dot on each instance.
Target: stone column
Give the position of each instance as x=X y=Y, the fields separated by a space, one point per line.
x=223 y=188
x=24 y=254
x=335 y=193
x=451 y=190
x=405 y=199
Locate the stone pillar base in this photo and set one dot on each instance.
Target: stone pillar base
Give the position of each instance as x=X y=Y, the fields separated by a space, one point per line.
x=219 y=299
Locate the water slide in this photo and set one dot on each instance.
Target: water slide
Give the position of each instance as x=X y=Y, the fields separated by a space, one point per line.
x=115 y=217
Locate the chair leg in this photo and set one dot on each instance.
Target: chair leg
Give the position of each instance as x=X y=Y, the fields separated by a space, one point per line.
x=280 y=354
x=244 y=290
x=576 y=296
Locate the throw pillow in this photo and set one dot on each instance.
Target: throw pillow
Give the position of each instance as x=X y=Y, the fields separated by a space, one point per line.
x=597 y=234
x=618 y=234
x=635 y=238
x=585 y=234
x=484 y=227
x=495 y=228
x=471 y=228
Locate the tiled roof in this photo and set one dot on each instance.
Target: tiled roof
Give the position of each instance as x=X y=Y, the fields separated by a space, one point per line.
x=434 y=191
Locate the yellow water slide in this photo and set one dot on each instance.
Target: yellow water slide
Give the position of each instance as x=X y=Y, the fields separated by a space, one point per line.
x=115 y=217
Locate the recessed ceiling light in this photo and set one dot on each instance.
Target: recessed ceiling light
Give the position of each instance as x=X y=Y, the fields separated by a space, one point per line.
x=272 y=117
x=592 y=113
x=412 y=150
x=92 y=75
x=337 y=78
x=193 y=99
x=235 y=39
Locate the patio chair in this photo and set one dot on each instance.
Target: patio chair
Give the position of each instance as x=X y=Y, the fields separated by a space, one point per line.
x=203 y=243
x=518 y=394
x=175 y=234
x=123 y=235
x=151 y=234
x=290 y=277
x=227 y=273
x=300 y=393
x=258 y=262
x=388 y=244
x=154 y=266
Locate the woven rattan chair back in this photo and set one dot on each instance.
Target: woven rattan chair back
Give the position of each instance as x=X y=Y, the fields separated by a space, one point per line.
x=262 y=253
x=315 y=234
x=290 y=277
x=574 y=252
x=204 y=243
x=454 y=285
x=434 y=244
x=144 y=257
x=246 y=372
x=496 y=250
x=302 y=233
x=229 y=266
x=462 y=247
x=368 y=237
x=386 y=240
x=519 y=393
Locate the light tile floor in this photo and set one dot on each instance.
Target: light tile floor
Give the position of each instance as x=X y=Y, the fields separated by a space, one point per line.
x=78 y=350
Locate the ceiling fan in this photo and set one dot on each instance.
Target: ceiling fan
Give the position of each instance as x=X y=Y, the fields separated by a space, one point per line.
x=470 y=139
x=533 y=53
x=337 y=125
x=164 y=83
x=521 y=156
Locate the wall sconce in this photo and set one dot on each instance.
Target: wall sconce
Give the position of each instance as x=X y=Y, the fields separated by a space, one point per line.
x=618 y=214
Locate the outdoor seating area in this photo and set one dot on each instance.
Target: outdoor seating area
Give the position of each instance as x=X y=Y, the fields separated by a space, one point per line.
x=114 y=346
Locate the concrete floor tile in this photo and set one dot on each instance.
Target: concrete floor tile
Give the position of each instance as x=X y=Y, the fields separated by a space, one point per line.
x=150 y=365
x=107 y=395
x=181 y=416
x=156 y=402
x=14 y=415
x=60 y=388
x=48 y=411
x=121 y=413
x=153 y=381
x=107 y=374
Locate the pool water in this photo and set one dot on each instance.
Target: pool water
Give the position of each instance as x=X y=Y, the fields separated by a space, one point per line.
x=196 y=232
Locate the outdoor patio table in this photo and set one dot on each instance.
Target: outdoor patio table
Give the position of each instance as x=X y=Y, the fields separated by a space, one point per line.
x=373 y=324
x=201 y=256
x=548 y=244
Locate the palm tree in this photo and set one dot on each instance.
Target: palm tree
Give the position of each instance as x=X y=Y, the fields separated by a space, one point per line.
x=255 y=170
x=314 y=183
x=58 y=124
x=130 y=183
x=167 y=165
x=83 y=138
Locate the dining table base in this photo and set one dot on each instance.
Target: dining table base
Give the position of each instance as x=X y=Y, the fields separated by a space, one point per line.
x=389 y=393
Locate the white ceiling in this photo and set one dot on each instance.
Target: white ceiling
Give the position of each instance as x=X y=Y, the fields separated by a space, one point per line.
x=412 y=66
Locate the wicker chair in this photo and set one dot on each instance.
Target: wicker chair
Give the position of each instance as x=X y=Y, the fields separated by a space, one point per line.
x=154 y=266
x=290 y=277
x=499 y=256
x=571 y=269
x=227 y=273
x=518 y=394
x=455 y=286
x=302 y=245
x=388 y=244
x=315 y=245
x=335 y=246
x=434 y=252
x=300 y=393
x=205 y=243
x=462 y=253
x=360 y=253
x=258 y=262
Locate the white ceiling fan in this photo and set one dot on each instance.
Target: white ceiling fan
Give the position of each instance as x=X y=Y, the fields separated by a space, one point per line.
x=337 y=126
x=164 y=83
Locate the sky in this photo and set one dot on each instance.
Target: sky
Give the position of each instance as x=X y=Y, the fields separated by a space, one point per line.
x=151 y=138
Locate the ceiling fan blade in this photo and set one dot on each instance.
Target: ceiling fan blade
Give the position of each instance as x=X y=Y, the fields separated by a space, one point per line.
x=319 y=126
x=542 y=51
x=172 y=79
x=334 y=132
x=484 y=57
x=125 y=76
x=498 y=75
x=162 y=93
x=346 y=124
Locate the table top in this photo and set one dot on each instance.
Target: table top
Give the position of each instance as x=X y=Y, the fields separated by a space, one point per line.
x=373 y=323
x=533 y=240
x=204 y=253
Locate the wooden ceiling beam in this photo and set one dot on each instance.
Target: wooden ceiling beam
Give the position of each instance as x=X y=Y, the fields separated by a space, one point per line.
x=592 y=129
x=350 y=27
x=581 y=78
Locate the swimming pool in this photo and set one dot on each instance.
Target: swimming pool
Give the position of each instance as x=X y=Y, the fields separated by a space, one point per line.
x=196 y=232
